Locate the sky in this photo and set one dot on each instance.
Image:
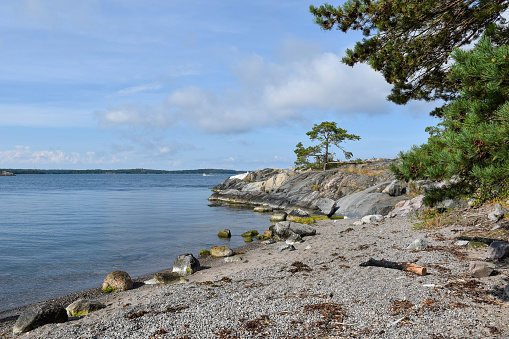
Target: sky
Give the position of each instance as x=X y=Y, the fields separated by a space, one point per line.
x=171 y=84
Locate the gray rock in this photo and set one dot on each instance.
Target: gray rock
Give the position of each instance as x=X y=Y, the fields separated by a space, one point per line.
x=39 y=315
x=163 y=278
x=302 y=229
x=462 y=243
x=186 y=264
x=367 y=202
x=418 y=245
x=285 y=248
x=394 y=189
x=235 y=258
x=368 y=219
x=451 y=203
x=407 y=207
x=287 y=229
x=82 y=307
x=481 y=269
x=497 y=213
x=506 y=290
x=326 y=205
x=294 y=239
x=497 y=250
x=117 y=281
x=279 y=216
x=221 y=251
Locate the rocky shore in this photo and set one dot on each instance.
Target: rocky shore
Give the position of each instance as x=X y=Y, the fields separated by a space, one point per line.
x=433 y=278
x=316 y=291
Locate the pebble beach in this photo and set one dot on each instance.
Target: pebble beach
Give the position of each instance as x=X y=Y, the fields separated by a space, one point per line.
x=317 y=291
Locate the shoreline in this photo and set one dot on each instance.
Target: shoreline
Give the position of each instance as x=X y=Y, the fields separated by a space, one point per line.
x=269 y=294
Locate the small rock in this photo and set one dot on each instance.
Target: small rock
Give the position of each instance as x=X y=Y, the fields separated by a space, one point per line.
x=268 y=234
x=248 y=239
x=368 y=219
x=262 y=209
x=462 y=243
x=82 y=307
x=39 y=315
x=308 y=247
x=497 y=250
x=117 y=281
x=221 y=251
x=224 y=234
x=250 y=234
x=506 y=290
x=496 y=227
x=418 y=245
x=497 y=213
x=186 y=264
x=358 y=223
x=269 y=241
x=286 y=248
x=481 y=269
x=277 y=217
x=233 y=259
x=163 y=278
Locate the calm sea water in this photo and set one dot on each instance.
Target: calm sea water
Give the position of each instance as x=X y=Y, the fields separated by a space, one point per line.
x=64 y=233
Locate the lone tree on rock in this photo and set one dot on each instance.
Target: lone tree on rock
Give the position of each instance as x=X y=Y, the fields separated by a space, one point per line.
x=329 y=135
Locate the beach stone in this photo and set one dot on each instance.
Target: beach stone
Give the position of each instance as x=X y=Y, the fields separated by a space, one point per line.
x=358 y=223
x=302 y=229
x=82 y=307
x=277 y=217
x=326 y=206
x=235 y=258
x=497 y=213
x=263 y=209
x=248 y=239
x=221 y=251
x=186 y=264
x=224 y=234
x=298 y=215
x=462 y=243
x=368 y=219
x=282 y=230
x=497 y=250
x=117 y=281
x=294 y=239
x=39 y=315
x=252 y=233
x=286 y=248
x=164 y=278
x=481 y=269
x=418 y=245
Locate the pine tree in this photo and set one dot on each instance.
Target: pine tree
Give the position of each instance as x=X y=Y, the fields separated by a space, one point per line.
x=470 y=147
x=329 y=134
x=409 y=41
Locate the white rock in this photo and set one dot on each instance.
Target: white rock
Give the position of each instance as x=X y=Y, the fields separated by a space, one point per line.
x=418 y=245
x=462 y=243
x=232 y=259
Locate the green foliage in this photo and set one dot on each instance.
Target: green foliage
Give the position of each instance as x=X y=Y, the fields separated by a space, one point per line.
x=470 y=146
x=328 y=134
x=410 y=41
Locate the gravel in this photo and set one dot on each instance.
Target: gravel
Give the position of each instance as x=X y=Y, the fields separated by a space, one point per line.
x=318 y=292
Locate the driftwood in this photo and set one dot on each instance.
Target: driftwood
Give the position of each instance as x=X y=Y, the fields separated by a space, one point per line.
x=402 y=266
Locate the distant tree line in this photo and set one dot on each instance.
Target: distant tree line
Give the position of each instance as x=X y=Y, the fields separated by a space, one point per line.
x=123 y=171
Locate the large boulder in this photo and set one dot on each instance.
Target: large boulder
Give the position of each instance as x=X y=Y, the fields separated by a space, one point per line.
x=186 y=264
x=366 y=202
x=82 y=307
x=39 y=315
x=302 y=229
x=481 y=269
x=117 y=281
x=287 y=229
x=221 y=251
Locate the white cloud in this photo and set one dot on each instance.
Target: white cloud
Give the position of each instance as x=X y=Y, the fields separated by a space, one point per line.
x=265 y=94
x=140 y=88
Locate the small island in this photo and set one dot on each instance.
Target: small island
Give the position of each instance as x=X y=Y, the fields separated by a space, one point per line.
x=6 y=174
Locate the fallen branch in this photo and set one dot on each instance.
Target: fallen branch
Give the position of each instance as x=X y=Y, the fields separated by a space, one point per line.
x=402 y=266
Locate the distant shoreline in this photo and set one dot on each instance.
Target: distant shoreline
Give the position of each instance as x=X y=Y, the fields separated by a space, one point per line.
x=123 y=171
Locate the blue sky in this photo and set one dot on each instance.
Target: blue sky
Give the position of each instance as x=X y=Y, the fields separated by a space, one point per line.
x=183 y=85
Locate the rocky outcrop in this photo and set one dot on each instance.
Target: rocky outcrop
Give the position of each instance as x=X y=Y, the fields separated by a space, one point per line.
x=39 y=315
x=354 y=190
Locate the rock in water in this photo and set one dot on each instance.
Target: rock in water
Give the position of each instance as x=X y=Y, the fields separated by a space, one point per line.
x=117 y=281
x=186 y=264
x=221 y=251
x=82 y=307
x=224 y=234
x=39 y=315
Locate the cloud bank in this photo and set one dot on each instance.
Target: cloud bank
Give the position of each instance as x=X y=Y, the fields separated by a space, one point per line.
x=264 y=94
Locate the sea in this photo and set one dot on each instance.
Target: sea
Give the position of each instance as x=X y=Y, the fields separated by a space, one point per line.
x=63 y=233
